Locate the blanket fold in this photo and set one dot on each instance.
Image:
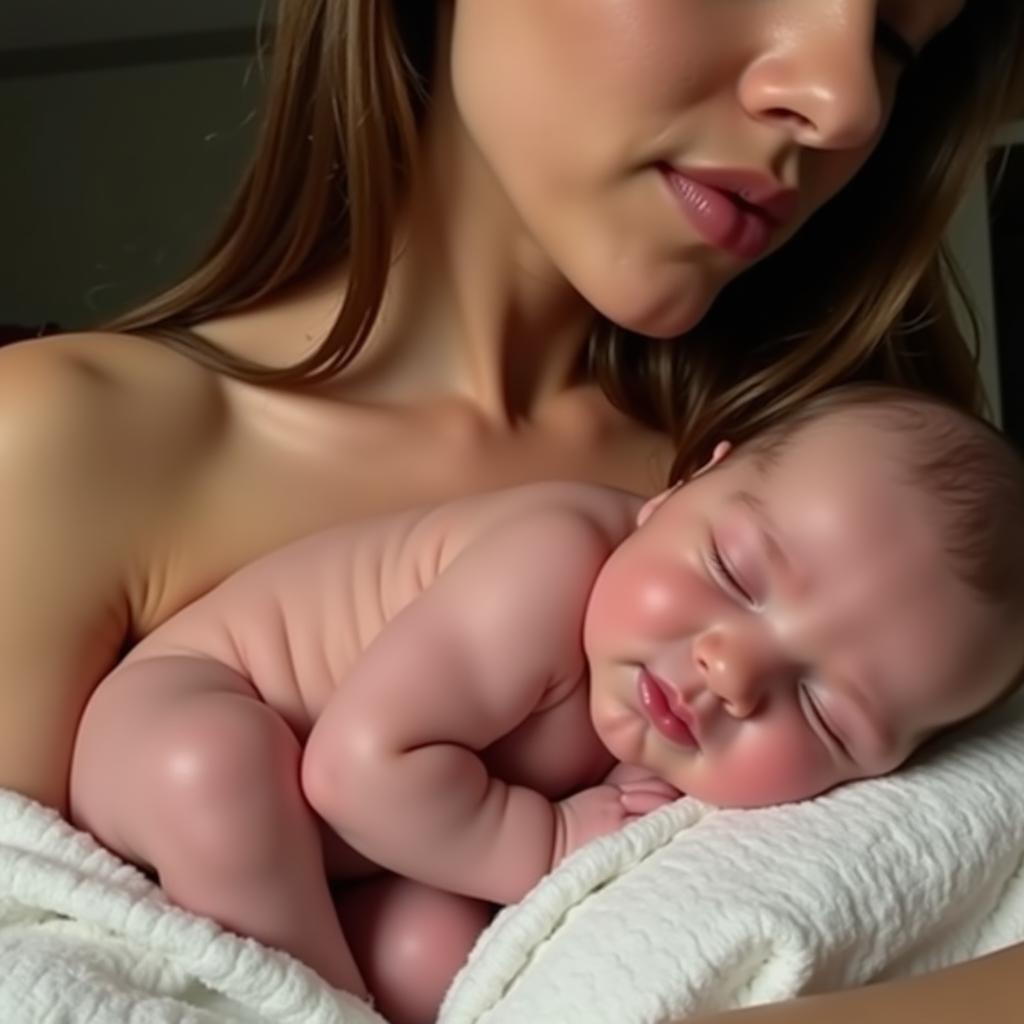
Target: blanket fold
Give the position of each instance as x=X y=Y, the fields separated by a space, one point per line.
x=693 y=909
x=88 y=939
x=688 y=910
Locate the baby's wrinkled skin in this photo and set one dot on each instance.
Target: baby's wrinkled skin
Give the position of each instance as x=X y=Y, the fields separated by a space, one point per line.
x=467 y=693
x=181 y=764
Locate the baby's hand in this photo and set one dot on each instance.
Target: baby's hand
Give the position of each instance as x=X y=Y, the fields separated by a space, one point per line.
x=642 y=790
x=606 y=808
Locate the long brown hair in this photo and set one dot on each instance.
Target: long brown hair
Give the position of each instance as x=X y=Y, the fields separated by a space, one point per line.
x=858 y=294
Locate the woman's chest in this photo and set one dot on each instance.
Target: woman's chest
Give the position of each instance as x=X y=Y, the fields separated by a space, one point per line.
x=288 y=469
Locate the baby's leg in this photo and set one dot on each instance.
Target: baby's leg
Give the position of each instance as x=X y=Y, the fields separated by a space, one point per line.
x=180 y=766
x=409 y=941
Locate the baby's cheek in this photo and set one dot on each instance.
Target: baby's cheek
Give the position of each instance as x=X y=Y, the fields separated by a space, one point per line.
x=770 y=771
x=644 y=598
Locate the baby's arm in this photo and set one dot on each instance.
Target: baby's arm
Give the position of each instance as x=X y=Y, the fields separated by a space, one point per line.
x=393 y=763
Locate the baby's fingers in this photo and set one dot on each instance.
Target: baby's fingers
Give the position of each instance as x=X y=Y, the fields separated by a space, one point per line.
x=652 y=784
x=640 y=801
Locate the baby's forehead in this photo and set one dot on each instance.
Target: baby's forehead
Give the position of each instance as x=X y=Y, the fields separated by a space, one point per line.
x=846 y=445
x=920 y=455
x=851 y=429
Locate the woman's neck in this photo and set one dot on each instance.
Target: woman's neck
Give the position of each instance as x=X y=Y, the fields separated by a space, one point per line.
x=474 y=307
x=474 y=311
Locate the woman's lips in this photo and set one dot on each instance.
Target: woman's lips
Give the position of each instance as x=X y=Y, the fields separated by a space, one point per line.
x=655 y=700
x=719 y=217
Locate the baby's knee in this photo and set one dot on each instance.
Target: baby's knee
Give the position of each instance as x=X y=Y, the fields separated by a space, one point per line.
x=217 y=765
x=433 y=932
x=410 y=941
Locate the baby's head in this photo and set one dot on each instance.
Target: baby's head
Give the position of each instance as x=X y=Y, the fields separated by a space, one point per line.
x=814 y=605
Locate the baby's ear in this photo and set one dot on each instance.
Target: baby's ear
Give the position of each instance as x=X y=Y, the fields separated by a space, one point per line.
x=650 y=506
x=721 y=450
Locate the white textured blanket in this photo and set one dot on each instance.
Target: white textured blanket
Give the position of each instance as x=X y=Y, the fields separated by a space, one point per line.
x=87 y=939
x=694 y=909
x=688 y=910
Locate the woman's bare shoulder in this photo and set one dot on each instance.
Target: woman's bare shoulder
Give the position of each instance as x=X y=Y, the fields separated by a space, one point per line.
x=100 y=394
x=91 y=365
x=99 y=435
x=96 y=433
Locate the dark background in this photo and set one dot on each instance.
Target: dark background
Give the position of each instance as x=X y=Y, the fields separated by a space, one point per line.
x=125 y=124
x=1007 y=226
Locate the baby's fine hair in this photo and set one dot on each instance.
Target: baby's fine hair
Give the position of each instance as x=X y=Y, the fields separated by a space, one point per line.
x=970 y=471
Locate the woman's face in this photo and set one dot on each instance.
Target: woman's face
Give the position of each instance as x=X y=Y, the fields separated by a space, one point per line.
x=653 y=149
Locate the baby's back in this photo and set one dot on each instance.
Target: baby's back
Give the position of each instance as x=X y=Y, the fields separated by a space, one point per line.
x=295 y=621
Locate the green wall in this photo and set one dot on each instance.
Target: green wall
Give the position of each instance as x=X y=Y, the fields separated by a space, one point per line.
x=112 y=181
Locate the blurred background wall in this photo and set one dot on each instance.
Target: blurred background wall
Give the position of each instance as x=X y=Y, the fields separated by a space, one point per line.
x=125 y=125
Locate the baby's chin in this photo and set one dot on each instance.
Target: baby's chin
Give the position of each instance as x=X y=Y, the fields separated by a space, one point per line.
x=740 y=798
x=618 y=727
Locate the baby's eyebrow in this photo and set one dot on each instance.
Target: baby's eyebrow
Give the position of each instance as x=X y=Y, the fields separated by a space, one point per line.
x=754 y=503
x=857 y=690
x=775 y=549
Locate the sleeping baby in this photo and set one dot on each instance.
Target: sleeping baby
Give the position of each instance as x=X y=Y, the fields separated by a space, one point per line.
x=467 y=693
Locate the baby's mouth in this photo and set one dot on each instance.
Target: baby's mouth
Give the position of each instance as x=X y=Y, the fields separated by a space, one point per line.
x=666 y=711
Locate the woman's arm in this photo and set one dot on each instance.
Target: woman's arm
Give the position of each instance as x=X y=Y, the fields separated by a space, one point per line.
x=985 y=991
x=62 y=618
x=82 y=469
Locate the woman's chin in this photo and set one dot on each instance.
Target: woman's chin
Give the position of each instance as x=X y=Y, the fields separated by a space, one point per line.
x=662 y=315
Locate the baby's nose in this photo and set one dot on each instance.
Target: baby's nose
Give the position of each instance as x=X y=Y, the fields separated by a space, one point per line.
x=737 y=669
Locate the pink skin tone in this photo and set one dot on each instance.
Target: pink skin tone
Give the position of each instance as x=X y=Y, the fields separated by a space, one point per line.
x=555 y=118
x=380 y=667
x=804 y=625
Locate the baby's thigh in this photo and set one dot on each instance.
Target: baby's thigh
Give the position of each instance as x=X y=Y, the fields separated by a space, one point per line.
x=409 y=941
x=180 y=749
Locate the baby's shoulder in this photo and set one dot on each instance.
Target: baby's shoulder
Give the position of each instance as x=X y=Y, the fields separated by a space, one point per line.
x=562 y=506
x=524 y=536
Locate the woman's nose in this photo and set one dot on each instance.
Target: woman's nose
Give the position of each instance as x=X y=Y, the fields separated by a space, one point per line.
x=737 y=669
x=817 y=79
